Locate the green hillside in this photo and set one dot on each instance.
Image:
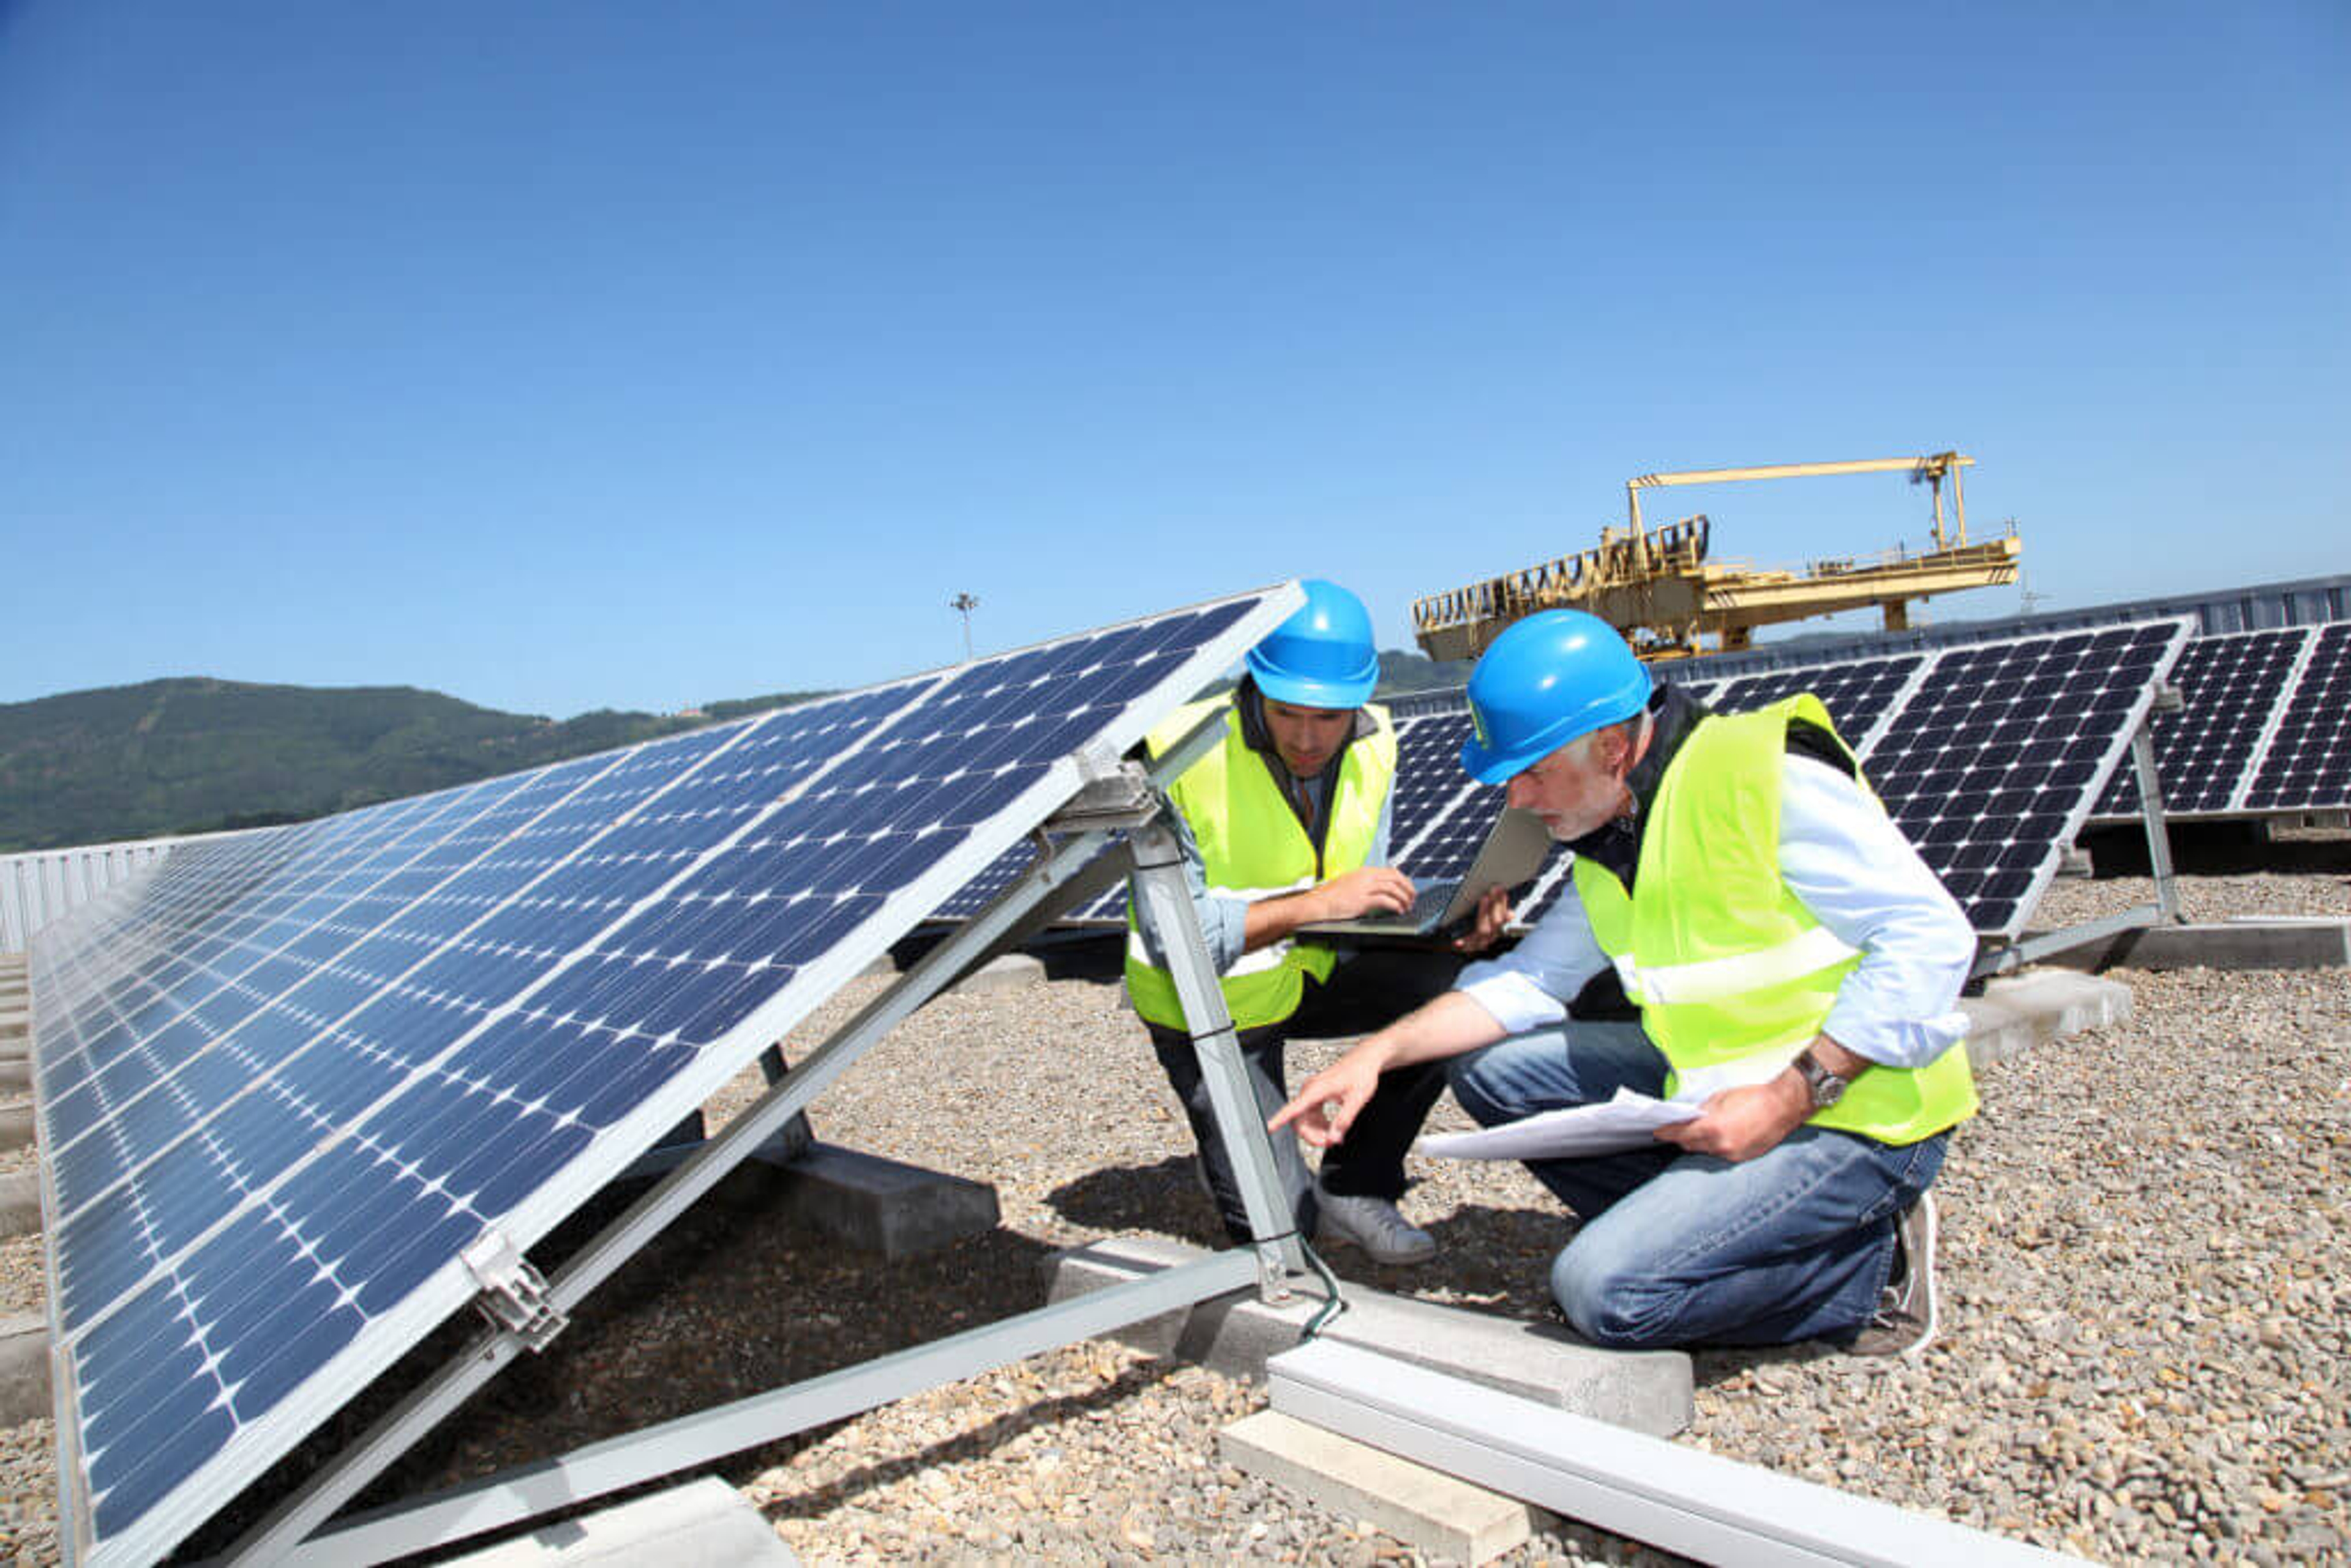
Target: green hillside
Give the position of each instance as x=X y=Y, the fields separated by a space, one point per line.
x=194 y=754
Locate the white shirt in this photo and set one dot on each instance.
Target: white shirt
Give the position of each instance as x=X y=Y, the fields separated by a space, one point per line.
x=1847 y=863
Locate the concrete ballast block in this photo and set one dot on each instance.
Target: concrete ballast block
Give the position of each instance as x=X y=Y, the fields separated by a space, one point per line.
x=20 y=1204
x=1005 y=972
x=24 y=1368
x=705 y=1523
x=884 y=1206
x=2242 y=942
x=2018 y=1012
x=17 y=1126
x=1441 y=1515
x=1649 y=1391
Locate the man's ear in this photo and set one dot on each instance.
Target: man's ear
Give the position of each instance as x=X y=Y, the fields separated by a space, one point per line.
x=1617 y=742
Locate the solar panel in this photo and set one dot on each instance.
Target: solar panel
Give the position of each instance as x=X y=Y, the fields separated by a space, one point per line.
x=2233 y=691
x=2306 y=765
x=285 y=1083
x=1991 y=763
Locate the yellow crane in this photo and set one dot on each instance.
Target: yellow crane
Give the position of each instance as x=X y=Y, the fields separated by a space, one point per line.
x=1658 y=587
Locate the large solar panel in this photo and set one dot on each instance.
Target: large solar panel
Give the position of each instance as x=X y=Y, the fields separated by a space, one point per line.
x=2233 y=691
x=285 y=1081
x=1991 y=763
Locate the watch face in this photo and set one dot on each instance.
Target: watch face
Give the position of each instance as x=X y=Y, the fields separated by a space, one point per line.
x=1826 y=1086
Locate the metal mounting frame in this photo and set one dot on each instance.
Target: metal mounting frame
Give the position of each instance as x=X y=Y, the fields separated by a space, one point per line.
x=1114 y=796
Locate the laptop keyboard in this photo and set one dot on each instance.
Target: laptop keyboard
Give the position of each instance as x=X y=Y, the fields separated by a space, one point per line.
x=1429 y=903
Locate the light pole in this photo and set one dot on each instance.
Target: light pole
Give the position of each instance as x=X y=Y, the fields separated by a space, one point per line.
x=967 y=603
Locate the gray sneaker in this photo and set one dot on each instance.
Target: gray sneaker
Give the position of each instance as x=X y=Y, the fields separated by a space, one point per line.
x=1903 y=1323
x=1373 y=1225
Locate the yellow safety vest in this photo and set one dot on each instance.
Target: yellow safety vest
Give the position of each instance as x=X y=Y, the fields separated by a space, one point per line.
x=1723 y=960
x=1253 y=846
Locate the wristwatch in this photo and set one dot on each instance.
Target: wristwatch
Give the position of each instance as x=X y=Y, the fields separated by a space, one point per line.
x=1824 y=1086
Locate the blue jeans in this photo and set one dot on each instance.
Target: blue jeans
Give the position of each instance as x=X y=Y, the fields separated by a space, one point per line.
x=1684 y=1249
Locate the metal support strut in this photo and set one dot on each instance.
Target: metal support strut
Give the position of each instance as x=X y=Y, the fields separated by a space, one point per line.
x=2150 y=804
x=1166 y=904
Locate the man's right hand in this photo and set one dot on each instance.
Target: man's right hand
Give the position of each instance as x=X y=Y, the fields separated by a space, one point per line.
x=1368 y=889
x=1326 y=1104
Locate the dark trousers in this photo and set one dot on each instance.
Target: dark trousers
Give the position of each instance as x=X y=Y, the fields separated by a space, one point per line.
x=1363 y=994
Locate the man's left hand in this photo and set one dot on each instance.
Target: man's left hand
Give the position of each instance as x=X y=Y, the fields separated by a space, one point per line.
x=1741 y=1124
x=1493 y=918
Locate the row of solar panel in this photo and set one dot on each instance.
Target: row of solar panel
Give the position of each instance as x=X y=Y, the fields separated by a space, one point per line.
x=1988 y=755
x=283 y=1083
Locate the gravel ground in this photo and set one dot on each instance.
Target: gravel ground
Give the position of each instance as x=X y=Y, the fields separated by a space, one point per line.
x=2144 y=1358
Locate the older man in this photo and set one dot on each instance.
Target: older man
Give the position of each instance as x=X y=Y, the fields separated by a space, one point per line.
x=1771 y=922
x=1283 y=825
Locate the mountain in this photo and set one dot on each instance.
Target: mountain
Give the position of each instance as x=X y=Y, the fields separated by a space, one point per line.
x=193 y=754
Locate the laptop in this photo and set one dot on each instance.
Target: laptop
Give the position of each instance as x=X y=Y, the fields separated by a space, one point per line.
x=1513 y=851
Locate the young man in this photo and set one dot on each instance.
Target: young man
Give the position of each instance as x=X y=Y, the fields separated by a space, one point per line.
x=1765 y=914
x=1283 y=824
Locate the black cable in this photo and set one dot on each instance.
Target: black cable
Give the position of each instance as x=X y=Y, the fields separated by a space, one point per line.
x=1334 y=1303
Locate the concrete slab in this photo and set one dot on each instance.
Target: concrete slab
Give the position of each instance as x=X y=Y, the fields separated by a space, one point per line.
x=24 y=1368
x=2252 y=942
x=20 y=1204
x=16 y=1128
x=1439 y=1514
x=1005 y=972
x=705 y=1523
x=2018 y=1012
x=1649 y=1391
x=882 y=1205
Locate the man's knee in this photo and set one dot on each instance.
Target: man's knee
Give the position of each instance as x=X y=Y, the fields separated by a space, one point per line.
x=1609 y=1300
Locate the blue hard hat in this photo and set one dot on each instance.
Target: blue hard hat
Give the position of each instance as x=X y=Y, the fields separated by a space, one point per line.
x=1546 y=680
x=1322 y=655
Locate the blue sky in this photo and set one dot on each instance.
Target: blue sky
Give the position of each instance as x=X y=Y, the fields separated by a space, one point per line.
x=563 y=356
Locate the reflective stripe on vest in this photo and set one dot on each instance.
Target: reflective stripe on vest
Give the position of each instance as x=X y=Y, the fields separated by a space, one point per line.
x=1726 y=962
x=1734 y=974
x=1253 y=846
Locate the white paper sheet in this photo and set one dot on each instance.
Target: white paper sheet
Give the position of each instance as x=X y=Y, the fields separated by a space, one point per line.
x=1630 y=1121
